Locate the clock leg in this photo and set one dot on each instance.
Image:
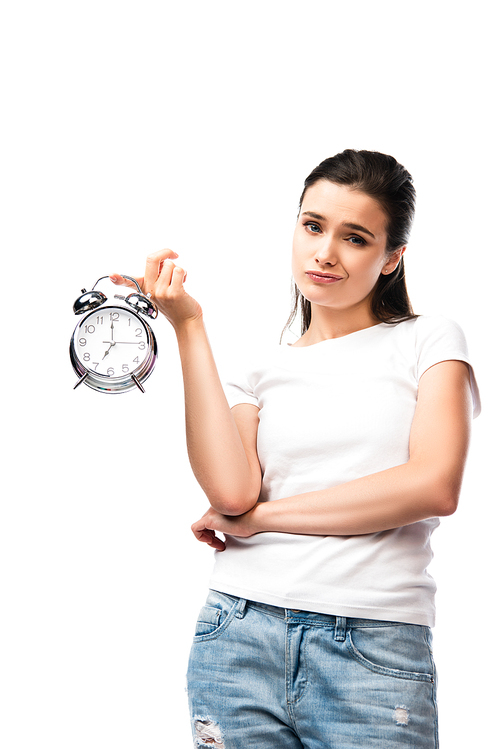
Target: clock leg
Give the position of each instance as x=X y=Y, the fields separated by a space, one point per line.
x=80 y=380
x=137 y=383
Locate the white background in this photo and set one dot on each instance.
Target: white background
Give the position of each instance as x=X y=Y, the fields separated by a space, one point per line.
x=128 y=127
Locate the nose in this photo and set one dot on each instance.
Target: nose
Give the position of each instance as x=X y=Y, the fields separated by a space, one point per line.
x=327 y=254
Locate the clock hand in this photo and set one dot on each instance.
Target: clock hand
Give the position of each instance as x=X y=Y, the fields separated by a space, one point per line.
x=111 y=344
x=132 y=343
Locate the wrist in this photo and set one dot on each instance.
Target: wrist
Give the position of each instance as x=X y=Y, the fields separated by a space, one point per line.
x=257 y=517
x=189 y=327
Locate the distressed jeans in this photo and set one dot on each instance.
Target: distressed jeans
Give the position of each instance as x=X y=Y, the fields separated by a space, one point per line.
x=269 y=678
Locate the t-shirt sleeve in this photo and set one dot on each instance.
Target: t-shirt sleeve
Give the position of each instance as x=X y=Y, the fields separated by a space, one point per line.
x=238 y=380
x=243 y=372
x=238 y=390
x=439 y=339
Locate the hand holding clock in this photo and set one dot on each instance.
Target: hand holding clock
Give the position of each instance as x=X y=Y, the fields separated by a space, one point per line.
x=165 y=282
x=119 y=368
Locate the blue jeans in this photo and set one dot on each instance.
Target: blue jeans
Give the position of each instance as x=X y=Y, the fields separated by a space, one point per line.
x=270 y=678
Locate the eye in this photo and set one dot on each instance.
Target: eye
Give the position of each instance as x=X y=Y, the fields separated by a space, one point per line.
x=358 y=241
x=313 y=227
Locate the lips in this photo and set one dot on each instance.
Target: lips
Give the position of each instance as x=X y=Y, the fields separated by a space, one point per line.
x=322 y=277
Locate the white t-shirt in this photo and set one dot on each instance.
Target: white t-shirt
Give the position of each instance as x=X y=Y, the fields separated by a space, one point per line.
x=331 y=413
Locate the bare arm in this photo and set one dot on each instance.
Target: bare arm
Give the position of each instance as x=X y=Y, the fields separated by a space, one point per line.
x=427 y=485
x=220 y=443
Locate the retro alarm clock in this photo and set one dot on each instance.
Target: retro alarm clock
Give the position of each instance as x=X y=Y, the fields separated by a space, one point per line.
x=113 y=349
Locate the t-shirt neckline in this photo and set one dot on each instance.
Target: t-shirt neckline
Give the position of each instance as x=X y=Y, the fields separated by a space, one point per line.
x=338 y=338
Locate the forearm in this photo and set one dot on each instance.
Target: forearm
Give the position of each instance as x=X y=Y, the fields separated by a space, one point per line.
x=379 y=502
x=428 y=485
x=390 y=499
x=215 y=449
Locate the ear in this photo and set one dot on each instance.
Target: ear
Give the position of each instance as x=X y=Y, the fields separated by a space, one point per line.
x=393 y=261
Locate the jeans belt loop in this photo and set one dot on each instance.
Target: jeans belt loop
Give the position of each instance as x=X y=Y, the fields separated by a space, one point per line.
x=240 y=608
x=340 y=628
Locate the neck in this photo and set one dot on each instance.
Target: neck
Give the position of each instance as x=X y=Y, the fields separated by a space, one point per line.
x=327 y=323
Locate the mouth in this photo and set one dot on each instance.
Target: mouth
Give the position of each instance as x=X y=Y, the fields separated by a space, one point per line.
x=323 y=277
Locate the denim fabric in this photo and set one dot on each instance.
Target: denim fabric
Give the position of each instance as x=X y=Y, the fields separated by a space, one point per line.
x=261 y=676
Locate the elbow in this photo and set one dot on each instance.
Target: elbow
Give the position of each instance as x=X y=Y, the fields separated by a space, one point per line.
x=231 y=495
x=446 y=507
x=439 y=489
x=233 y=504
x=445 y=499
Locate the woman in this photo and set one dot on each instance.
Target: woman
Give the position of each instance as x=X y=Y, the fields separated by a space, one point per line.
x=326 y=476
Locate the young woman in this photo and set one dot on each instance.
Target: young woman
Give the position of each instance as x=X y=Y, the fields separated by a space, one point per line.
x=327 y=464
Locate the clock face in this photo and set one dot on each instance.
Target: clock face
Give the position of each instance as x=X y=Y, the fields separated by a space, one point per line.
x=112 y=342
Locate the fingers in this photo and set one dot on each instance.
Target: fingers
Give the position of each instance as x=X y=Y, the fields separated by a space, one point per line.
x=177 y=278
x=164 y=281
x=169 y=286
x=209 y=537
x=155 y=264
x=154 y=267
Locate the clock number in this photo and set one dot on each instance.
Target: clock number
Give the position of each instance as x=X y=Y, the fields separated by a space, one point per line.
x=110 y=371
x=124 y=368
x=136 y=360
x=142 y=345
x=89 y=329
x=86 y=357
x=114 y=316
x=99 y=320
x=138 y=332
x=82 y=341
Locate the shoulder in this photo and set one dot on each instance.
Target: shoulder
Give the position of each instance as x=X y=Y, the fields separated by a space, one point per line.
x=426 y=331
x=423 y=326
x=439 y=334
x=428 y=325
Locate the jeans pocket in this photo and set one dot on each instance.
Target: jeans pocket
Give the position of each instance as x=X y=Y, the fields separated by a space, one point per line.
x=215 y=616
x=208 y=621
x=398 y=650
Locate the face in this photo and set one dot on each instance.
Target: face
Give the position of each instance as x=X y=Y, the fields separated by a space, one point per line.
x=339 y=247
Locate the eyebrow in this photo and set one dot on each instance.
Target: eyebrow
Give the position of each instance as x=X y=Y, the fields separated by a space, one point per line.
x=347 y=224
x=314 y=215
x=358 y=227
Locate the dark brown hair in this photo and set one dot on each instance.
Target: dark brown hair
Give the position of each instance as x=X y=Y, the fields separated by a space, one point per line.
x=391 y=185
